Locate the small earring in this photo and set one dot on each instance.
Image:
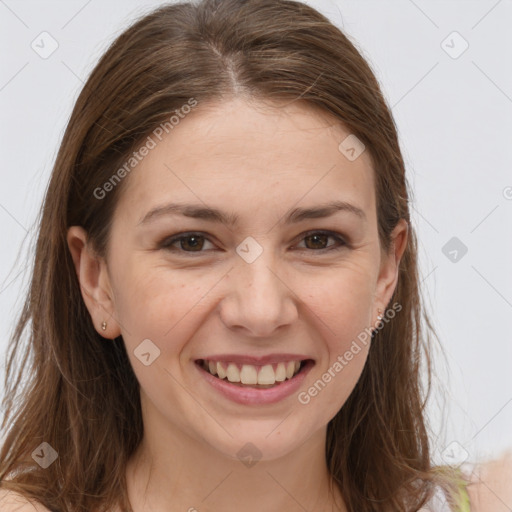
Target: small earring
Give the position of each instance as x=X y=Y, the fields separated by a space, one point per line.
x=104 y=326
x=379 y=318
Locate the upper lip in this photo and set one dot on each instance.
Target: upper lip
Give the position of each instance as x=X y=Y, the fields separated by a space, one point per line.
x=256 y=360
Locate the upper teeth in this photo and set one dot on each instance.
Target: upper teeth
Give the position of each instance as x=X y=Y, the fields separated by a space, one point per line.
x=250 y=374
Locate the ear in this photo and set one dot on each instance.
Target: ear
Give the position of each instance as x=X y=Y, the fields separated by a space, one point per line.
x=388 y=272
x=94 y=282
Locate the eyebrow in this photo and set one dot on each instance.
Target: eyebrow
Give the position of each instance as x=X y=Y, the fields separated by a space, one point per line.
x=199 y=211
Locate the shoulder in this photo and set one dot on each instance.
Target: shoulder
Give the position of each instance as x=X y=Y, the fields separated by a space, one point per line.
x=490 y=488
x=11 y=501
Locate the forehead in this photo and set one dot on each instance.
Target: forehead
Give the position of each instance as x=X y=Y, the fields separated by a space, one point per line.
x=251 y=153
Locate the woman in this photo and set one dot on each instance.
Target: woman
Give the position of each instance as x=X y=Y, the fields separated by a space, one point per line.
x=225 y=308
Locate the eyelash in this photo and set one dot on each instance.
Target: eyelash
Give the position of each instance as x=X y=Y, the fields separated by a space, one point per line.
x=167 y=242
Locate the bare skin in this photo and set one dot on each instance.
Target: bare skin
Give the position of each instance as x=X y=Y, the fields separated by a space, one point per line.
x=301 y=295
x=283 y=301
x=489 y=490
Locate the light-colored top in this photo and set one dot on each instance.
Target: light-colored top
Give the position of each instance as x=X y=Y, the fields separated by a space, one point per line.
x=439 y=503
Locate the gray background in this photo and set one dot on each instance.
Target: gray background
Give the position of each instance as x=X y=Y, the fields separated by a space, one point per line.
x=454 y=115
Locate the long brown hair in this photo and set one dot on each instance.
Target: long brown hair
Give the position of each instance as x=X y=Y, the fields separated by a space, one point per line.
x=81 y=395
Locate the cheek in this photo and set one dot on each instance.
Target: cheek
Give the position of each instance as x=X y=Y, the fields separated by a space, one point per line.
x=329 y=392
x=342 y=299
x=158 y=305
x=154 y=301
x=345 y=334
x=343 y=305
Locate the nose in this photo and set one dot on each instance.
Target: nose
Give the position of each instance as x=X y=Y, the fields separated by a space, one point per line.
x=258 y=298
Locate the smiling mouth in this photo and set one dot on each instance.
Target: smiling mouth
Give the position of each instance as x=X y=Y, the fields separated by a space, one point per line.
x=248 y=375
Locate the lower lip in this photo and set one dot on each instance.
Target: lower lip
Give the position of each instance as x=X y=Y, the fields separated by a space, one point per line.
x=255 y=396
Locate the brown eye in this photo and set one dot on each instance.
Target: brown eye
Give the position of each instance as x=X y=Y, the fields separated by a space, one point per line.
x=194 y=242
x=318 y=241
x=188 y=242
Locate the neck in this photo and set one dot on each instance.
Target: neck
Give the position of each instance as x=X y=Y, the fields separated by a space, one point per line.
x=171 y=472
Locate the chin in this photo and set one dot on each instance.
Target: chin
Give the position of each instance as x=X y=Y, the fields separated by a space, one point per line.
x=260 y=440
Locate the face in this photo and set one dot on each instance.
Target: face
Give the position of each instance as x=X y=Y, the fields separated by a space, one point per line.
x=284 y=279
